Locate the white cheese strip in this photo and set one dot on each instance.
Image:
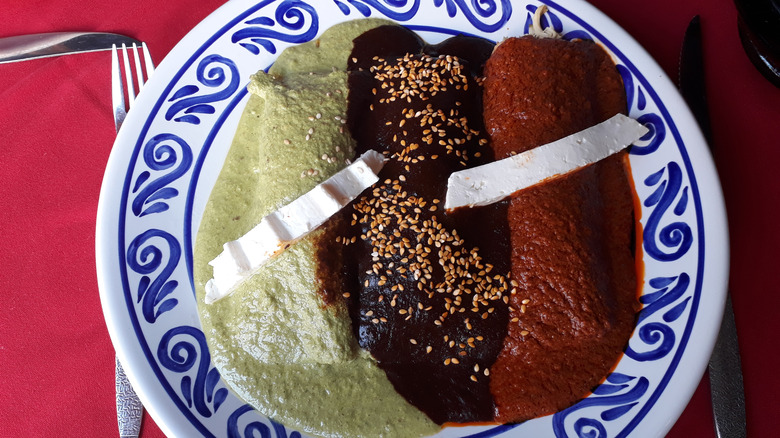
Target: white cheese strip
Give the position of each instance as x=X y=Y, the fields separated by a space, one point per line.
x=280 y=229
x=492 y=182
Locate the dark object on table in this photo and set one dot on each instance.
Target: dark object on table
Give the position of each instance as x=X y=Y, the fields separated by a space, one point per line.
x=759 y=31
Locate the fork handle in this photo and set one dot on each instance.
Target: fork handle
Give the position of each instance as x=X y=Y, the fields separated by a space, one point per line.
x=129 y=409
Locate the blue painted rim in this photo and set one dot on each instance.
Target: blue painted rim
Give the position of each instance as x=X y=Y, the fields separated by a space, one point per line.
x=186 y=226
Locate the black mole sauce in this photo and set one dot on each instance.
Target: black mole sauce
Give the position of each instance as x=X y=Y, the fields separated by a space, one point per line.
x=425 y=300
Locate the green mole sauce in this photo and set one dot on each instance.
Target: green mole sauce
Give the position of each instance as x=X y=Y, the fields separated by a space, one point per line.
x=284 y=340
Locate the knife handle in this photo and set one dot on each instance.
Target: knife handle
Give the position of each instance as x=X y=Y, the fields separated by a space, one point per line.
x=728 y=398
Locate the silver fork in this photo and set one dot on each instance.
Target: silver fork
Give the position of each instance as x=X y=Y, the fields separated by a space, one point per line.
x=129 y=410
x=118 y=84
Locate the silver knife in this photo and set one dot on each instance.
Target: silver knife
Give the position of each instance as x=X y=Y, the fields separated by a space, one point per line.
x=728 y=394
x=43 y=45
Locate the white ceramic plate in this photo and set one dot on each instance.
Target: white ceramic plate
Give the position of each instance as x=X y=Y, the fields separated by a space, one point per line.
x=173 y=143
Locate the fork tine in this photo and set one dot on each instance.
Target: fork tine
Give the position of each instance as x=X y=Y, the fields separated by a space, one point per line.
x=128 y=77
x=127 y=83
x=138 y=71
x=148 y=61
x=117 y=90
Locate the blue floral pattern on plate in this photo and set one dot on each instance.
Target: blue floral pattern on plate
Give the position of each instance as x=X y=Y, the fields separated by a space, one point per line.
x=157 y=218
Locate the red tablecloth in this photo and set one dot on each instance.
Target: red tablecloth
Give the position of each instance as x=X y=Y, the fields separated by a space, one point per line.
x=56 y=132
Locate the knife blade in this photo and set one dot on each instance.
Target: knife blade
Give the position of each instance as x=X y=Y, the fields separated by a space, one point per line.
x=725 y=369
x=43 y=45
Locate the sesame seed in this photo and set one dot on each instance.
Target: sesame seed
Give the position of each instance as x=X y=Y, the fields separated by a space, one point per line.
x=400 y=229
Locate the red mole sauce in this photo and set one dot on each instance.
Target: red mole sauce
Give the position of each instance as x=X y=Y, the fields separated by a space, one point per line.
x=572 y=238
x=427 y=290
